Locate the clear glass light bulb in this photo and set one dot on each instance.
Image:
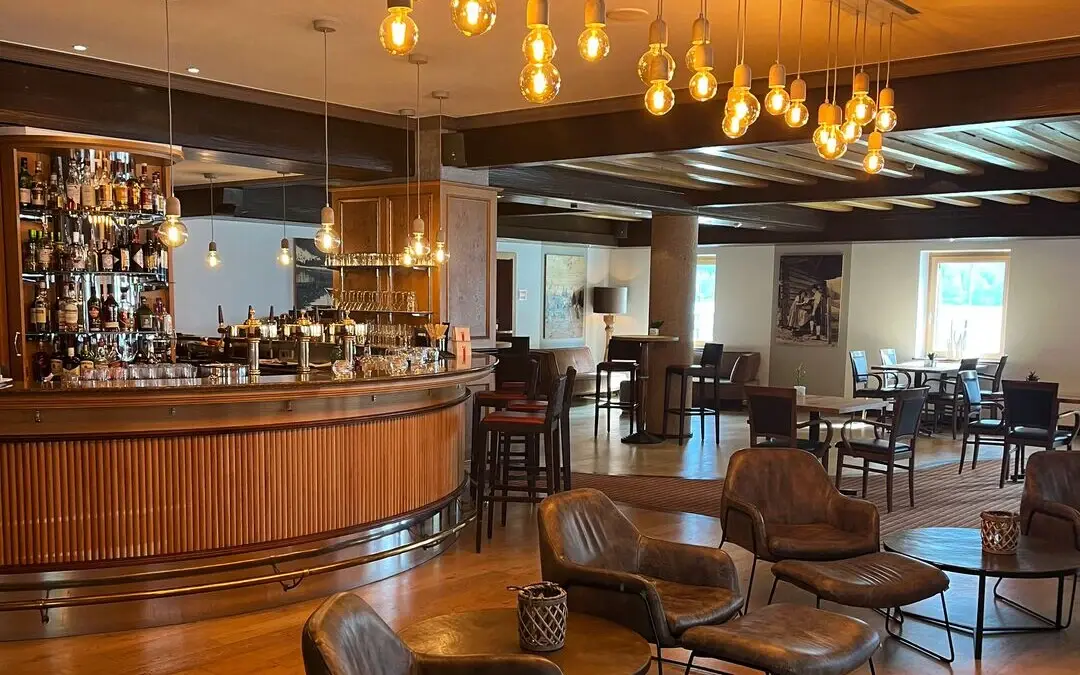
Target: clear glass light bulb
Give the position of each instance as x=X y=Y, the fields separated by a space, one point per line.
x=539 y=82
x=885 y=120
x=851 y=131
x=703 y=85
x=742 y=103
x=406 y=257
x=398 y=33
x=284 y=258
x=212 y=259
x=326 y=240
x=860 y=108
x=593 y=44
x=734 y=127
x=473 y=17
x=418 y=245
x=655 y=51
x=659 y=99
x=777 y=101
x=797 y=115
x=834 y=146
x=873 y=162
x=539 y=45
x=820 y=135
x=440 y=253
x=173 y=233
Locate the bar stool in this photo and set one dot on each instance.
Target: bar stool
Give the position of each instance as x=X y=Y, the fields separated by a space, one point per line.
x=515 y=380
x=706 y=371
x=623 y=357
x=564 y=423
x=541 y=433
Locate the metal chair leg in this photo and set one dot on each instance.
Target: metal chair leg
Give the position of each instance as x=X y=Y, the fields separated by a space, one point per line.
x=919 y=648
x=773 y=591
x=750 y=585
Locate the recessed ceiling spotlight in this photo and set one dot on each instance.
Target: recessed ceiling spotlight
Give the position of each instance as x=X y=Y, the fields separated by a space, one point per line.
x=194 y=70
x=79 y=48
x=628 y=15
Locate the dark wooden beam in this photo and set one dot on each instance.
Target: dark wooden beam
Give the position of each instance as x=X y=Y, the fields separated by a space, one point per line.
x=303 y=203
x=50 y=98
x=341 y=175
x=1060 y=174
x=959 y=99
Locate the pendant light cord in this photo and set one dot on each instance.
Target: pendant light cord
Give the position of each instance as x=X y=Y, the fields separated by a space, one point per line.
x=855 y=47
x=326 y=117
x=211 y=208
x=880 y=34
x=745 y=20
x=168 y=93
x=284 y=231
x=836 y=60
x=865 y=30
x=417 y=142
x=828 y=52
x=779 y=27
x=888 y=67
x=798 y=67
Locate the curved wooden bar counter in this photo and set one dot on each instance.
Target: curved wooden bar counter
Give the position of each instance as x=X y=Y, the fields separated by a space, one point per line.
x=175 y=484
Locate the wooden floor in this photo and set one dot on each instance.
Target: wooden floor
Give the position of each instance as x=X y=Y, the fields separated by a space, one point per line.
x=269 y=642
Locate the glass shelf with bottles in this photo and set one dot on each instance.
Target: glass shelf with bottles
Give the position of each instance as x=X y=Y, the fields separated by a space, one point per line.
x=74 y=309
x=75 y=246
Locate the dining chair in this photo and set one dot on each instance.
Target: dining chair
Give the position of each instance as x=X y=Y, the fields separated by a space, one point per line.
x=1032 y=419
x=948 y=400
x=861 y=378
x=977 y=427
x=891 y=442
x=991 y=382
x=701 y=375
x=888 y=358
x=772 y=417
x=623 y=357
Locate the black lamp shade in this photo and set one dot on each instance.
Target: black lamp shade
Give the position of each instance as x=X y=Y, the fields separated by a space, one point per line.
x=609 y=299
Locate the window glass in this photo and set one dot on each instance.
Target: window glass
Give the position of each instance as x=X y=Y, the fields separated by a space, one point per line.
x=704 y=299
x=967 y=304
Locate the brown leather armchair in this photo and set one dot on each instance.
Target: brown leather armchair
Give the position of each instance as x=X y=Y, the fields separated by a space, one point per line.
x=779 y=504
x=1050 y=507
x=609 y=569
x=345 y=636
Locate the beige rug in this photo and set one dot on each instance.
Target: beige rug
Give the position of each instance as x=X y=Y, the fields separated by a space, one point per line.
x=942 y=498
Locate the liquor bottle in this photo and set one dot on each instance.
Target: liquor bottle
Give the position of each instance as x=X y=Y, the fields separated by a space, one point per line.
x=164 y=319
x=37 y=191
x=26 y=184
x=122 y=252
x=44 y=252
x=87 y=193
x=39 y=310
x=150 y=254
x=91 y=245
x=120 y=190
x=71 y=366
x=30 y=251
x=106 y=258
x=146 y=193
x=159 y=194
x=163 y=259
x=136 y=253
x=55 y=197
x=123 y=313
x=110 y=312
x=77 y=252
x=71 y=184
x=93 y=310
x=40 y=363
x=144 y=317
x=69 y=310
x=134 y=190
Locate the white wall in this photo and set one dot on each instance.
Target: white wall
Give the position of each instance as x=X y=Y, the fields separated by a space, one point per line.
x=744 y=300
x=630 y=267
x=249 y=273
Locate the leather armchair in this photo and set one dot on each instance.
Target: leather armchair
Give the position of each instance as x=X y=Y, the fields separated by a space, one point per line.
x=345 y=636
x=779 y=504
x=1050 y=506
x=609 y=569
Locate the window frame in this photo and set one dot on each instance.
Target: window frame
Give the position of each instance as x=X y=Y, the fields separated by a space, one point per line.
x=935 y=259
x=699 y=260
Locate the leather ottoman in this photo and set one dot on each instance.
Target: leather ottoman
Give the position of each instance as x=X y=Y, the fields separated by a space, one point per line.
x=787 y=640
x=872 y=581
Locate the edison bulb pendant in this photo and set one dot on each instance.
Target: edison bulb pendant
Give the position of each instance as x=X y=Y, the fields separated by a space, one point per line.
x=659 y=99
x=885 y=120
x=703 y=85
x=593 y=44
x=643 y=64
x=834 y=146
x=851 y=131
x=212 y=257
x=539 y=82
x=743 y=104
x=873 y=162
x=284 y=257
x=797 y=115
x=398 y=32
x=860 y=108
x=326 y=240
x=473 y=17
x=734 y=127
x=539 y=45
x=820 y=135
x=777 y=101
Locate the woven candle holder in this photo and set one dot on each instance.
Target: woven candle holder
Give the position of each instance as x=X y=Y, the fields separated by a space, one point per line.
x=1000 y=531
x=541 y=616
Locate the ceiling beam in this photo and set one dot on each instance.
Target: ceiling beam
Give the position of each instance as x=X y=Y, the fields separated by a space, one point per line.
x=972 y=147
x=716 y=158
x=957 y=200
x=869 y=204
x=615 y=170
x=1035 y=90
x=897 y=150
x=835 y=207
x=853 y=159
x=697 y=171
x=1063 y=196
x=1013 y=198
x=813 y=167
x=911 y=202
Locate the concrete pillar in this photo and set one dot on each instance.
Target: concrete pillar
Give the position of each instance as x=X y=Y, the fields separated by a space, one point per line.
x=672 y=275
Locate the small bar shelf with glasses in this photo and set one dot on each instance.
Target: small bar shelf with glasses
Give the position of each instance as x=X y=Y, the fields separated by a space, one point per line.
x=378 y=261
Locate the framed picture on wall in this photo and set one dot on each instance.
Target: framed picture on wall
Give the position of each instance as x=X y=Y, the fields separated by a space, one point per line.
x=564 y=296
x=312 y=279
x=808 y=299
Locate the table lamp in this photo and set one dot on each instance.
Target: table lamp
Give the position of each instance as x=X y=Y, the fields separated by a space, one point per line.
x=609 y=301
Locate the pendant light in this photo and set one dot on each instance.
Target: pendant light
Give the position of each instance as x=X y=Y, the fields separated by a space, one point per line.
x=742 y=107
x=398 y=32
x=284 y=256
x=827 y=139
x=172 y=232
x=777 y=101
x=656 y=67
x=593 y=43
x=407 y=114
x=418 y=244
x=886 y=119
x=440 y=255
x=699 y=58
x=851 y=129
x=326 y=240
x=540 y=79
x=874 y=161
x=212 y=257
x=473 y=17
x=861 y=108
x=797 y=115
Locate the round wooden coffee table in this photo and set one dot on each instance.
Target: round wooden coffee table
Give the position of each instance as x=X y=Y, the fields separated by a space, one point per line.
x=959 y=550
x=594 y=646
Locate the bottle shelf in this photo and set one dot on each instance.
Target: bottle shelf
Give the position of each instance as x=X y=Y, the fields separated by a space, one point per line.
x=390 y=311
x=39 y=214
x=84 y=333
x=52 y=274
x=418 y=268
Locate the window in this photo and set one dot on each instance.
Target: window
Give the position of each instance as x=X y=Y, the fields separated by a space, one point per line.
x=704 y=299
x=966 y=304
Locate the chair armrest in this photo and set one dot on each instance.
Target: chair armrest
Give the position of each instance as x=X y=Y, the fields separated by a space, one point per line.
x=856 y=516
x=1064 y=516
x=501 y=664
x=1075 y=425
x=573 y=574
x=751 y=514
x=847 y=425
x=687 y=564
x=877 y=376
x=819 y=422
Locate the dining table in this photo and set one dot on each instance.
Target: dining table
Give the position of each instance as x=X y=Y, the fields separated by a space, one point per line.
x=643 y=436
x=818 y=405
x=921 y=369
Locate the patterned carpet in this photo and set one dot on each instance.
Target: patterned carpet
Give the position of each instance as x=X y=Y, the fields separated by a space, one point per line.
x=942 y=498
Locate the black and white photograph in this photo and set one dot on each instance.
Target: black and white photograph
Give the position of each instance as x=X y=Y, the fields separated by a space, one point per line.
x=312 y=279
x=808 y=299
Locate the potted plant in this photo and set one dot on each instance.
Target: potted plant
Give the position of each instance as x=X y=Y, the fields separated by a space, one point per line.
x=800 y=384
x=654 y=327
x=1033 y=377
x=930 y=358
